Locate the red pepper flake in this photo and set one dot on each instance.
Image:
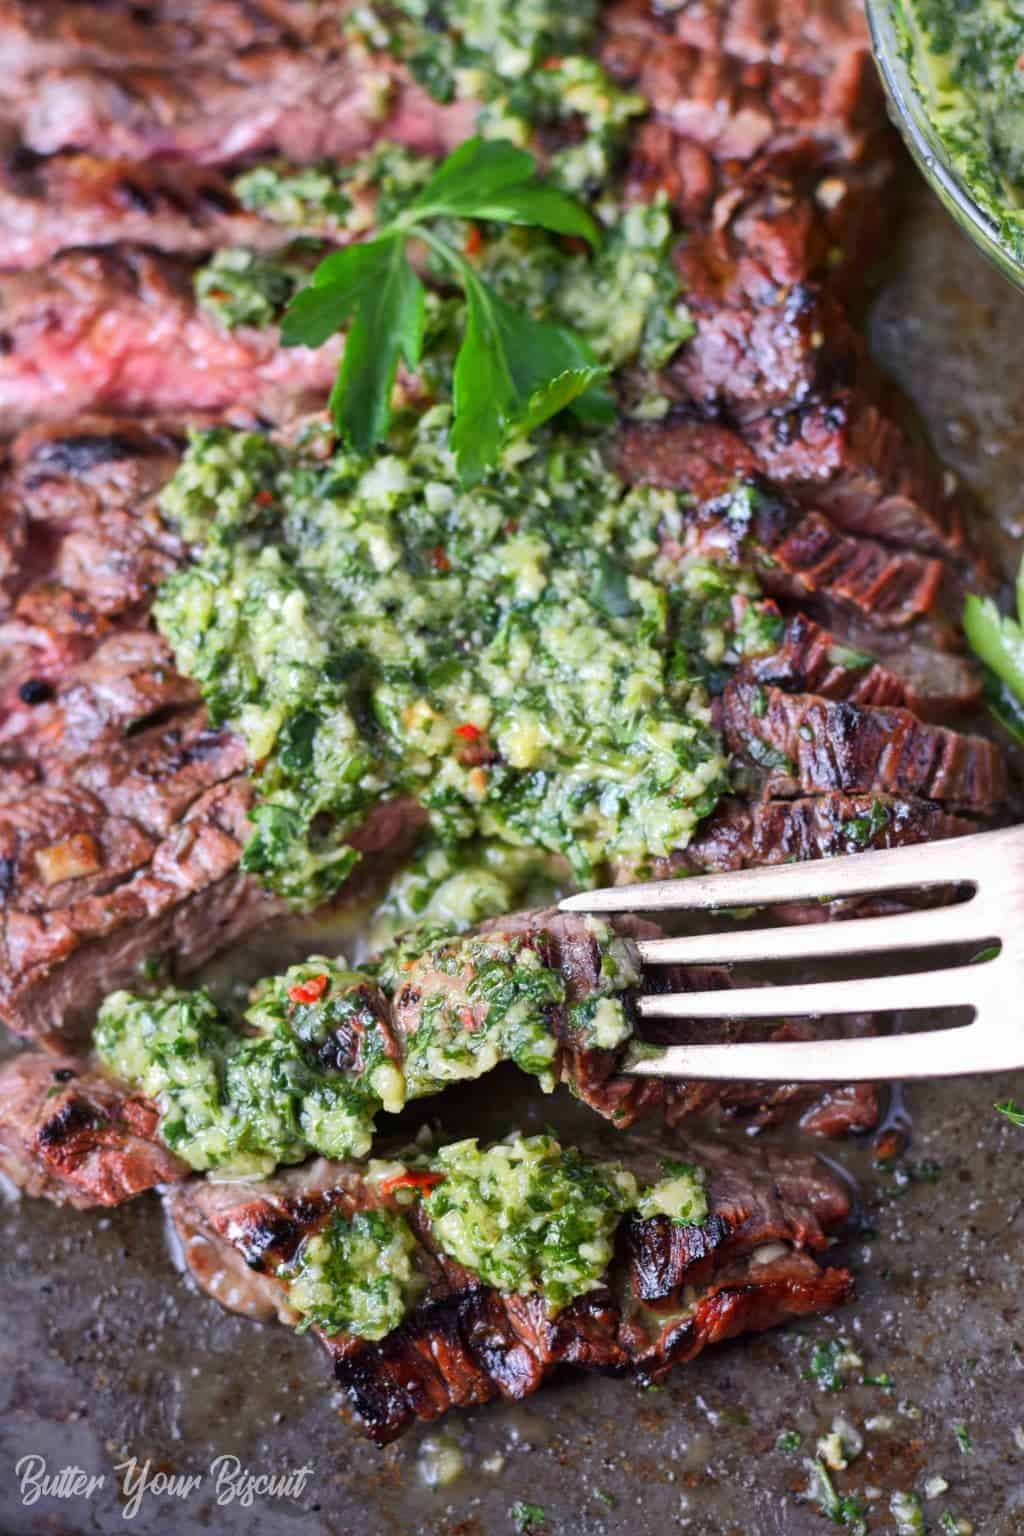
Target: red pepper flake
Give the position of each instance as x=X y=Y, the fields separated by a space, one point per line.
x=412 y=1180
x=553 y=61
x=310 y=991
x=473 y=241
x=439 y=558
x=264 y=498
x=468 y=731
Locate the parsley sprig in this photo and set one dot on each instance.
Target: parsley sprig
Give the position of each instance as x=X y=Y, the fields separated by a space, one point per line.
x=512 y=372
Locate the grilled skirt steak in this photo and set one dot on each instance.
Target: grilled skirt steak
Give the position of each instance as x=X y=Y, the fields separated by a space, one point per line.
x=442 y=1004
x=119 y=330
x=50 y=203
x=670 y=1291
x=73 y=1136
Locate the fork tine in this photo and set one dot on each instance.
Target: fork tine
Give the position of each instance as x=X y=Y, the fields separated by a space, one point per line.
x=930 y=1053
x=855 y=874
x=968 y=922
x=956 y=987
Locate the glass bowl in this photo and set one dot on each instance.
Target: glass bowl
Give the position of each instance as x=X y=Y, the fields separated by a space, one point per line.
x=904 y=66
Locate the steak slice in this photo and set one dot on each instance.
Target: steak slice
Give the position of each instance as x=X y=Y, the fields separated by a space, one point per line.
x=804 y=744
x=797 y=554
x=667 y=1295
x=81 y=516
x=846 y=457
x=127 y=685
x=72 y=1135
x=119 y=330
x=44 y=34
x=49 y=204
x=750 y=87
x=810 y=659
x=436 y=985
x=744 y=835
x=303 y=103
x=180 y=906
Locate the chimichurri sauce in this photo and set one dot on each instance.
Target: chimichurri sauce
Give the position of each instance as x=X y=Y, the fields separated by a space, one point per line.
x=969 y=70
x=523 y=658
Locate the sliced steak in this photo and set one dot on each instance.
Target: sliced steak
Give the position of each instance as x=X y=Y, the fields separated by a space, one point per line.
x=846 y=457
x=297 y=102
x=797 y=554
x=70 y=1134
x=82 y=500
x=812 y=659
x=670 y=1291
x=49 y=204
x=127 y=685
x=804 y=744
x=44 y=34
x=436 y=986
x=185 y=903
x=744 y=835
x=120 y=331
x=751 y=87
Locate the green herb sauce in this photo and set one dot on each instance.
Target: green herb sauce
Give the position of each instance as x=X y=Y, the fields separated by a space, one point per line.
x=681 y=1194
x=241 y=287
x=527 y=65
x=529 y=1215
x=244 y=1103
x=245 y=1095
x=968 y=70
x=355 y=1275
x=517 y=656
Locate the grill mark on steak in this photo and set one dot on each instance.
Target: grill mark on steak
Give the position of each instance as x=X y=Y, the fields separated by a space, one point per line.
x=467 y=1343
x=810 y=745
x=37 y=35
x=301 y=103
x=798 y=554
x=79 y=200
x=70 y=1134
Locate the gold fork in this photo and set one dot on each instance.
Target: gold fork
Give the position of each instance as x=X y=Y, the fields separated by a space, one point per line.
x=991 y=983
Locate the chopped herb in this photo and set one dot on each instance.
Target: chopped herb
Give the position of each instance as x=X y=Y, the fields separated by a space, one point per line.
x=528 y=1517
x=529 y=1215
x=1012 y=1111
x=831 y=1364
x=607 y=1499
x=962 y=1438
x=789 y=1440
x=843 y=1509
x=949 y=1523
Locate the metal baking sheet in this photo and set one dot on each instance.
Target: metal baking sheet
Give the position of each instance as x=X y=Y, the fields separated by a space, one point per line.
x=108 y=1358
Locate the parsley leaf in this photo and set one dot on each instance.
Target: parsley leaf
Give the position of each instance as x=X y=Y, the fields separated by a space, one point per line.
x=492 y=179
x=374 y=286
x=512 y=372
